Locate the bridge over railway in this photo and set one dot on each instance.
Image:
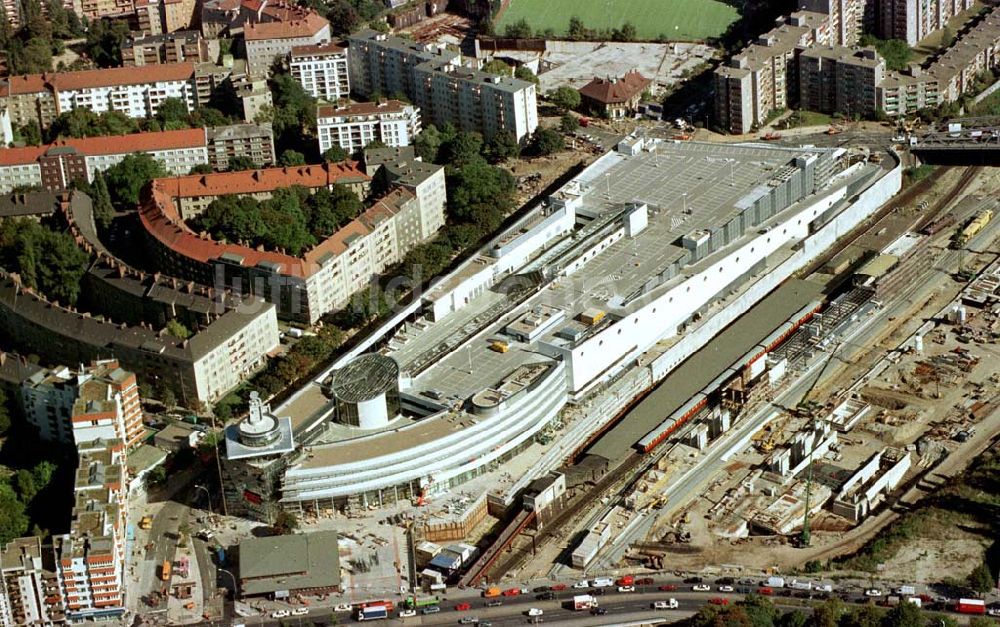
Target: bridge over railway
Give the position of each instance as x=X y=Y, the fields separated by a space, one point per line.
x=977 y=142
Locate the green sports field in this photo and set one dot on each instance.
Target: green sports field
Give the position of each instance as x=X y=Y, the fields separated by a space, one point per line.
x=673 y=19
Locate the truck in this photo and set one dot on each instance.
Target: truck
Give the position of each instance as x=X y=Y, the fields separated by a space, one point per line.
x=373 y=612
x=165 y=570
x=970 y=606
x=146 y=522
x=906 y=590
x=775 y=582
x=584 y=602
x=800 y=585
x=602 y=582
x=489 y=593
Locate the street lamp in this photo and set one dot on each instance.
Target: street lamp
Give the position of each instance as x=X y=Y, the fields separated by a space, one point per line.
x=208 y=497
x=232 y=577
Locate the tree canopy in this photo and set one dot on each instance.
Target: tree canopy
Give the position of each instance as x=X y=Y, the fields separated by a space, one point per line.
x=291 y=220
x=564 y=97
x=126 y=178
x=896 y=52
x=545 y=141
x=47 y=260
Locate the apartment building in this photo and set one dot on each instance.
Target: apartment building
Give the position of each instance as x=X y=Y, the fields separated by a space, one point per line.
x=323 y=278
x=253 y=141
x=40 y=98
x=913 y=20
x=99 y=401
x=26 y=585
x=837 y=79
x=353 y=127
x=763 y=77
x=847 y=18
x=435 y=80
x=57 y=165
x=169 y=48
x=273 y=39
x=90 y=558
x=949 y=76
x=321 y=70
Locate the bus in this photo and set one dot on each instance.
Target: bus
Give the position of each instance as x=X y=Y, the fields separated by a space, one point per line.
x=415 y=603
x=165 y=570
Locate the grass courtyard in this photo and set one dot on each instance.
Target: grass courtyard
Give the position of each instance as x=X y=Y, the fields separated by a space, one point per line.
x=682 y=20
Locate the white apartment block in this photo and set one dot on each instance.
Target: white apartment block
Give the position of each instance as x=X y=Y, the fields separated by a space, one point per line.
x=54 y=167
x=846 y=18
x=233 y=347
x=136 y=93
x=755 y=82
x=435 y=80
x=353 y=127
x=98 y=402
x=24 y=585
x=913 y=20
x=90 y=559
x=267 y=42
x=321 y=70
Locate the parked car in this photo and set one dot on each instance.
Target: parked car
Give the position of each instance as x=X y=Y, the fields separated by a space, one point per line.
x=546 y=596
x=719 y=601
x=300 y=611
x=407 y=613
x=667 y=587
x=280 y=614
x=463 y=607
x=534 y=611
x=598 y=611
x=645 y=581
x=512 y=592
x=626 y=588
x=558 y=587
x=342 y=607
x=701 y=587
x=873 y=592
x=725 y=589
x=494 y=603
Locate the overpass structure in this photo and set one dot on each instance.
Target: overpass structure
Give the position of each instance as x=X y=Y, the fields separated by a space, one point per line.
x=976 y=144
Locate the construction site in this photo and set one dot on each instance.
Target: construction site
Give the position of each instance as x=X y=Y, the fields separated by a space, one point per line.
x=789 y=459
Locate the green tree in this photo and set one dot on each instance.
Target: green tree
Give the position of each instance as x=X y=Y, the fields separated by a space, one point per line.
x=498 y=67
x=13 y=520
x=565 y=98
x=31 y=134
x=545 y=141
x=291 y=158
x=293 y=114
x=947 y=36
x=568 y=123
x=25 y=483
x=335 y=154
x=156 y=475
x=981 y=580
x=628 y=32
x=518 y=30
x=863 y=616
x=104 y=41
x=177 y=329
x=904 y=615
x=104 y=212
x=794 y=618
x=239 y=163
x=343 y=17
x=126 y=178
x=172 y=114
x=427 y=143
x=286 y=522
x=896 y=52
x=759 y=610
x=502 y=146
x=576 y=30
x=462 y=149
x=201 y=168
x=42 y=473
x=480 y=194
x=524 y=73
x=4 y=405
x=828 y=614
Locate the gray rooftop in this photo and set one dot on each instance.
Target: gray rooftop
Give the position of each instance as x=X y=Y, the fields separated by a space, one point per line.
x=291 y=562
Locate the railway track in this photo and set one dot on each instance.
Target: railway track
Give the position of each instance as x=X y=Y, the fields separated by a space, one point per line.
x=580 y=501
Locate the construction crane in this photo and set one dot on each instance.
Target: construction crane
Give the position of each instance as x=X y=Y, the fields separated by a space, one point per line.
x=806 y=537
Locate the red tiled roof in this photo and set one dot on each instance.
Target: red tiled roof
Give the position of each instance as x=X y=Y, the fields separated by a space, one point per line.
x=159 y=215
x=300 y=26
x=117 y=144
x=609 y=91
x=65 y=81
x=361 y=108
x=325 y=48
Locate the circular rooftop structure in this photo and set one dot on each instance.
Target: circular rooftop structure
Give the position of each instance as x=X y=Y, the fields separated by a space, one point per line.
x=366 y=391
x=259 y=428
